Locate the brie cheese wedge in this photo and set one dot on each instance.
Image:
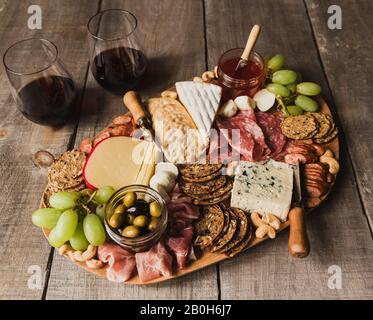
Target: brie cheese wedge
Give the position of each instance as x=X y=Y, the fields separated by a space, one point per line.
x=202 y=102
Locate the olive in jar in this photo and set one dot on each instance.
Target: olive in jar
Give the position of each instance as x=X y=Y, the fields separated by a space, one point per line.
x=140 y=207
x=153 y=224
x=155 y=209
x=129 y=199
x=141 y=221
x=131 y=232
x=116 y=220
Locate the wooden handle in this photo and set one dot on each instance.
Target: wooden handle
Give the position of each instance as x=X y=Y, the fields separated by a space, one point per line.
x=298 y=244
x=254 y=34
x=132 y=102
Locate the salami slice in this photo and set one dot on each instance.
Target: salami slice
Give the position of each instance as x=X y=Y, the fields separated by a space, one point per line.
x=270 y=124
x=251 y=145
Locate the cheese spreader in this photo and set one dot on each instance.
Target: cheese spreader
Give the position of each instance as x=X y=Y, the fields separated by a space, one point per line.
x=298 y=244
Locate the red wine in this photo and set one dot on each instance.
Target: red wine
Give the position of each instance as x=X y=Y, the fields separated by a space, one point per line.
x=119 y=69
x=48 y=100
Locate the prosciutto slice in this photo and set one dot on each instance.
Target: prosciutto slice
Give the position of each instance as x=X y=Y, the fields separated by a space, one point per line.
x=121 y=263
x=154 y=263
x=180 y=246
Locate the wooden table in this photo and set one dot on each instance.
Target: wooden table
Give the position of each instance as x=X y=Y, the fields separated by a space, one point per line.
x=183 y=38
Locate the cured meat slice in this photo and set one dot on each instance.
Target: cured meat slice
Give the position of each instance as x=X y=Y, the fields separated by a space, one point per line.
x=180 y=246
x=274 y=137
x=121 y=263
x=251 y=144
x=154 y=263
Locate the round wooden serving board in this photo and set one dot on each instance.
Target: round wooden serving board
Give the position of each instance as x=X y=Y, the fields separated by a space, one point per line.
x=208 y=258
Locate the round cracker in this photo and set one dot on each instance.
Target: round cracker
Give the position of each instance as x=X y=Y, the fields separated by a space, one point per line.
x=323 y=125
x=195 y=189
x=299 y=127
x=227 y=236
x=218 y=193
x=199 y=170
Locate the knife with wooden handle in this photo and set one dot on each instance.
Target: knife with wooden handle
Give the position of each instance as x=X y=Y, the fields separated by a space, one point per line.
x=298 y=244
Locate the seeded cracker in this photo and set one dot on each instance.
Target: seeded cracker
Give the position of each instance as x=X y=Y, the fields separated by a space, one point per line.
x=244 y=243
x=228 y=235
x=199 y=170
x=216 y=194
x=195 y=189
x=212 y=201
x=209 y=226
x=299 y=127
x=328 y=138
x=242 y=226
x=323 y=125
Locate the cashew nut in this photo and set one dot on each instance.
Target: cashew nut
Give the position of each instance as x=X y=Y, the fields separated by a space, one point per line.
x=197 y=79
x=86 y=255
x=216 y=72
x=256 y=220
x=94 y=264
x=169 y=94
x=64 y=249
x=328 y=153
x=332 y=163
x=264 y=230
x=272 y=220
x=207 y=76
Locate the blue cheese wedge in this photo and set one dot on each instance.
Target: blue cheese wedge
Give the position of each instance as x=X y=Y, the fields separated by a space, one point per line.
x=265 y=187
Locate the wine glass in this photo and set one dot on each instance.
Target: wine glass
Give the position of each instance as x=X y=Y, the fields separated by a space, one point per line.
x=117 y=61
x=43 y=89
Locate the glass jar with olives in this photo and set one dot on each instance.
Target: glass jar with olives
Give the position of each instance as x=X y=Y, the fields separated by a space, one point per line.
x=136 y=217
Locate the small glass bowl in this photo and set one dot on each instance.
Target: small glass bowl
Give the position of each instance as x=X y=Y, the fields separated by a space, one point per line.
x=143 y=242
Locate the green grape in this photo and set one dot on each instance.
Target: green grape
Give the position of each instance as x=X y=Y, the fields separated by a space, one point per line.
x=46 y=217
x=64 y=200
x=278 y=89
x=78 y=241
x=276 y=62
x=94 y=230
x=292 y=87
x=100 y=211
x=64 y=228
x=104 y=194
x=308 y=89
x=294 y=110
x=306 y=103
x=284 y=77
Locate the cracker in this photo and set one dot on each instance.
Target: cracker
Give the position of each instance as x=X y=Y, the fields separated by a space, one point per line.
x=199 y=179
x=239 y=236
x=209 y=226
x=212 y=201
x=199 y=170
x=216 y=194
x=328 y=138
x=227 y=236
x=195 y=189
x=299 y=127
x=323 y=124
x=244 y=243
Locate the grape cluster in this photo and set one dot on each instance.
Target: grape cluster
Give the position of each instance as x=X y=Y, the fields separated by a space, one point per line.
x=76 y=217
x=292 y=95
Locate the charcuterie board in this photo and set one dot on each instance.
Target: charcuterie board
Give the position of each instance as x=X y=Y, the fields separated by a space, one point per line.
x=206 y=259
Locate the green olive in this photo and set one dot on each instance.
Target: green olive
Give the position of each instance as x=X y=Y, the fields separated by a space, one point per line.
x=116 y=220
x=141 y=221
x=130 y=218
x=155 y=209
x=120 y=209
x=131 y=232
x=153 y=224
x=129 y=199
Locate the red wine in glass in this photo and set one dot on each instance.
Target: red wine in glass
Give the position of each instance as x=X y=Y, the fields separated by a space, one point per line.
x=117 y=61
x=119 y=69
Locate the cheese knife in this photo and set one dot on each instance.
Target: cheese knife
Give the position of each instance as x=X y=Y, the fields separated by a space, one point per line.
x=132 y=102
x=298 y=244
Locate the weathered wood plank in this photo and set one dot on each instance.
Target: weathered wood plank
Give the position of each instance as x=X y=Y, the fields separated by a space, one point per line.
x=338 y=231
x=173 y=42
x=347 y=58
x=22 y=245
